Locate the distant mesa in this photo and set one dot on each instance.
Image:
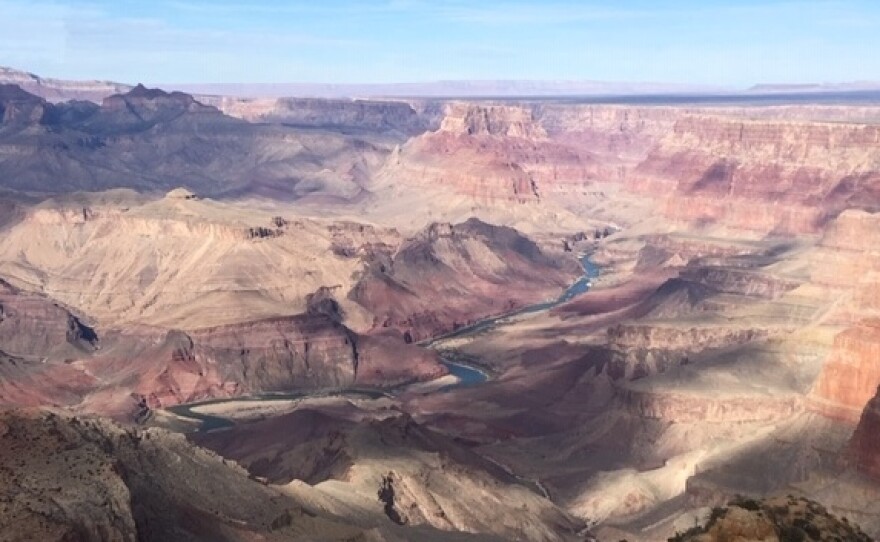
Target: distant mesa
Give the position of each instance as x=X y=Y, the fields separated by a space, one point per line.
x=141 y=96
x=142 y=92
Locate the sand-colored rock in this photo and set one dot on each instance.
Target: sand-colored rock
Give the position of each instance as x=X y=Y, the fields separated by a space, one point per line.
x=850 y=376
x=350 y=455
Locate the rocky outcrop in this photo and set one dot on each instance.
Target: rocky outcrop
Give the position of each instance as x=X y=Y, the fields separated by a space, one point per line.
x=34 y=326
x=864 y=447
x=848 y=260
x=851 y=374
x=737 y=281
x=421 y=477
x=772 y=175
x=691 y=407
x=778 y=519
x=72 y=479
x=493 y=120
x=141 y=108
x=392 y=117
x=59 y=90
x=20 y=108
x=853 y=230
x=679 y=337
x=477 y=269
x=491 y=154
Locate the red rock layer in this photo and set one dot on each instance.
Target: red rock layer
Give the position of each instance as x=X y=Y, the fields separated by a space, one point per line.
x=492 y=153
x=157 y=369
x=34 y=326
x=451 y=275
x=703 y=166
x=850 y=376
x=686 y=407
x=763 y=175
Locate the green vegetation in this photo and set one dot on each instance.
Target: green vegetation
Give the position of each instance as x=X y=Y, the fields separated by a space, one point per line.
x=793 y=519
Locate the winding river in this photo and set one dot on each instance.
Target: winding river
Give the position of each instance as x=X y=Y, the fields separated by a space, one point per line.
x=467 y=375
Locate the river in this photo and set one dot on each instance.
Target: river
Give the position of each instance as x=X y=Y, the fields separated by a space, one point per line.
x=466 y=374
x=469 y=375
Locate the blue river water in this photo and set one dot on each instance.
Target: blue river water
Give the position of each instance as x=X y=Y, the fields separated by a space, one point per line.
x=580 y=286
x=467 y=375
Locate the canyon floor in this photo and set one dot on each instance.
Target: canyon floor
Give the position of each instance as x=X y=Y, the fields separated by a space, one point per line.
x=280 y=319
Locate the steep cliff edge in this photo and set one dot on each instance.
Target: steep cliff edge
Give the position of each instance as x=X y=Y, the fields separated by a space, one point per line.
x=396 y=118
x=421 y=476
x=850 y=376
x=138 y=370
x=864 y=447
x=489 y=153
x=762 y=174
x=66 y=478
x=59 y=90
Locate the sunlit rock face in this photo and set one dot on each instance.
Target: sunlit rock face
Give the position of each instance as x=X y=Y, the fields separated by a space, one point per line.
x=492 y=154
x=765 y=175
x=850 y=376
x=495 y=120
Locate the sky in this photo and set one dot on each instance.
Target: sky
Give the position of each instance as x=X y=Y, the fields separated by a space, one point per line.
x=721 y=43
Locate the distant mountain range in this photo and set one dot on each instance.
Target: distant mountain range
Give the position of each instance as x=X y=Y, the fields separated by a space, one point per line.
x=61 y=90
x=447 y=89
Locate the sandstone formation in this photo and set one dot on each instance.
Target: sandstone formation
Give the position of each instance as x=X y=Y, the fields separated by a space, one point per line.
x=431 y=479
x=67 y=478
x=851 y=374
x=32 y=325
x=136 y=372
x=477 y=269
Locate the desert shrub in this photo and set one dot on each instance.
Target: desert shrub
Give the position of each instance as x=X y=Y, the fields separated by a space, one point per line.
x=809 y=528
x=746 y=503
x=780 y=510
x=790 y=533
x=716 y=514
x=693 y=531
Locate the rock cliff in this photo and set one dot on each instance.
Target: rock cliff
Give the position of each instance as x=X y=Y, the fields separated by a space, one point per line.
x=864 y=447
x=850 y=375
x=475 y=268
x=68 y=478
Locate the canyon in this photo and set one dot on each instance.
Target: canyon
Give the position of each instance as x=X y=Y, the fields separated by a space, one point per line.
x=306 y=270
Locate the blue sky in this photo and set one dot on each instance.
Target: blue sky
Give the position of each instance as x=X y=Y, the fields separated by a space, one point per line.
x=725 y=43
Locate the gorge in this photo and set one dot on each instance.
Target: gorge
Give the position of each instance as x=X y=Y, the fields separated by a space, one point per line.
x=520 y=319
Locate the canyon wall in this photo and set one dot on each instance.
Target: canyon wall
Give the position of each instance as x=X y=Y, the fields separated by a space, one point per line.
x=864 y=448
x=452 y=274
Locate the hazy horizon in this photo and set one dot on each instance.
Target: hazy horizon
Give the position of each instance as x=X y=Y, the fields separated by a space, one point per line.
x=720 y=44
